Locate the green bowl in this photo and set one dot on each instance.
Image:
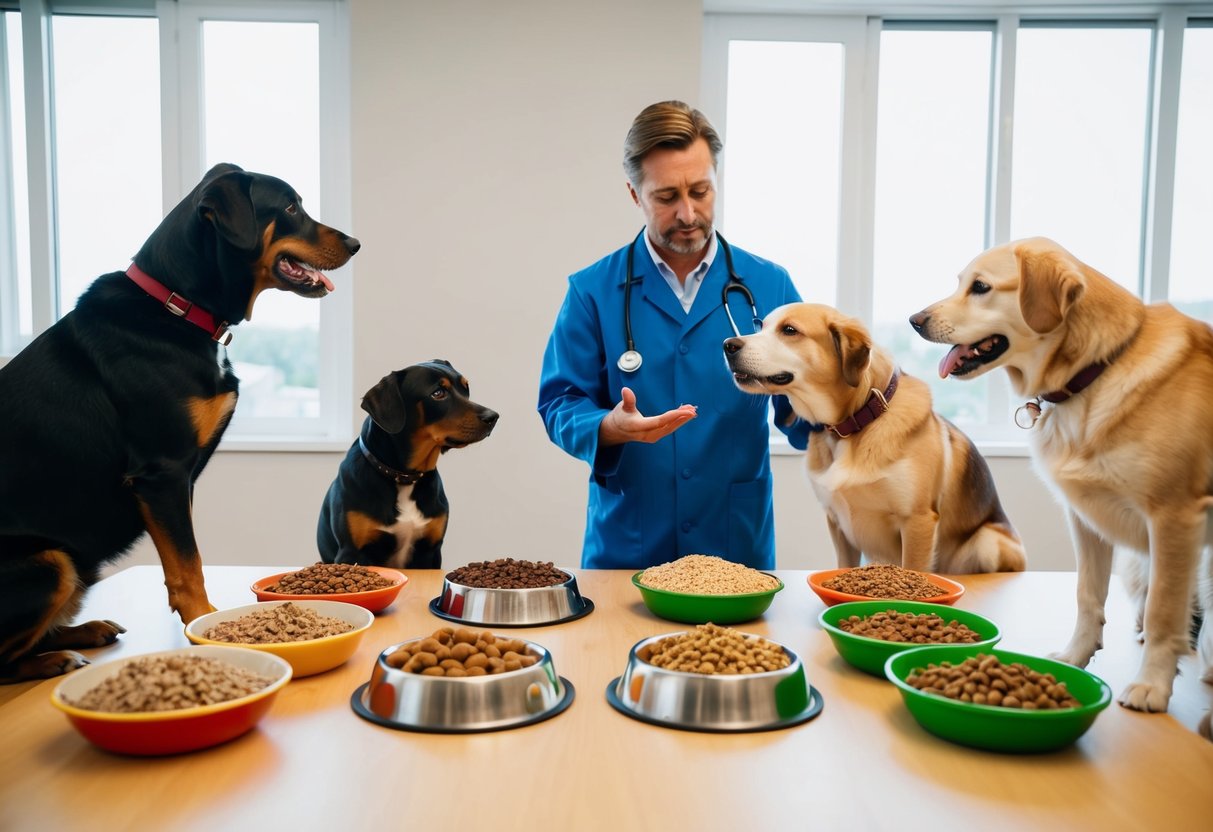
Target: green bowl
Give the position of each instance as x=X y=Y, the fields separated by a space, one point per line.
x=700 y=609
x=870 y=654
x=995 y=728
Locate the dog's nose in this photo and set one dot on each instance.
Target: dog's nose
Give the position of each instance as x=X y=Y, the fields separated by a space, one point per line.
x=352 y=244
x=489 y=417
x=733 y=345
x=919 y=320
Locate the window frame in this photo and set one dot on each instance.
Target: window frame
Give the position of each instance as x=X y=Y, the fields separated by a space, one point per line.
x=855 y=273
x=182 y=165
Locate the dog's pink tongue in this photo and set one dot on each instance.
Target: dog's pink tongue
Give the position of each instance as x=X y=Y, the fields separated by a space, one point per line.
x=324 y=278
x=952 y=360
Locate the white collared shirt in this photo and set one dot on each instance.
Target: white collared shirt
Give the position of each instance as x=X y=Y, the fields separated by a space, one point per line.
x=685 y=291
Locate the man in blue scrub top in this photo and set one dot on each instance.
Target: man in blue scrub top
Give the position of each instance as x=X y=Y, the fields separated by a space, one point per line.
x=696 y=478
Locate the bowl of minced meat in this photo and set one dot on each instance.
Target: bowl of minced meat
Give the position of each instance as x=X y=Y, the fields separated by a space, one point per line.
x=696 y=589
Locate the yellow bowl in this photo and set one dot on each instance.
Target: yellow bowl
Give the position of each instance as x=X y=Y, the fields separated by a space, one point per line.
x=306 y=657
x=171 y=732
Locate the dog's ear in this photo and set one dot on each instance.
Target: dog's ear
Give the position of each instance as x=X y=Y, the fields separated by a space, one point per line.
x=853 y=348
x=1049 y=285
x=385 y=404
x=226 y=202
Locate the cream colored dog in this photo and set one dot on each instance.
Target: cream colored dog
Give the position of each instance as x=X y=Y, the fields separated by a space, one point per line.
x=898 y=482
x=1121 y=394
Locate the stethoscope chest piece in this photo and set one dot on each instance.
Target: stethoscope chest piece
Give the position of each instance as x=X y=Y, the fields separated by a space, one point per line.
x=630 y=361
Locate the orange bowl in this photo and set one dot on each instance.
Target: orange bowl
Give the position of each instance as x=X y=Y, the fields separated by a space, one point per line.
x=171 y=732
x=949 y=591
x=372 y=599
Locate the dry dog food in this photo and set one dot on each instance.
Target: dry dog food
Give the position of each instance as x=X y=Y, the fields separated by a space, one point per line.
x=984 y=680
x=277 y=624
x=710 y=648
x=329 y=579
x=170 y=683
x=507 y=573
x=461 y=652
x=884 y=581
x=707 y=575
x=916 y=628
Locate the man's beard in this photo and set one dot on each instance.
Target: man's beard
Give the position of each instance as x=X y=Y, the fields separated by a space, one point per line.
x=689 y=247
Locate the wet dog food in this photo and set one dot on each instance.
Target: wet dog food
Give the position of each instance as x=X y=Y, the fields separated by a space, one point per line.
x=170 y=683
x=710 y=648
x=276 y=625
x=461 y=652
x=984 y=680
x=507 y=573
x=884 y=581
x=707 y=575
x=329 y=579
x=914 y=628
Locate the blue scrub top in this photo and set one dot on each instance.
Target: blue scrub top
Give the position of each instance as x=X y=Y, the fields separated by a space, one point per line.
x=704 y=489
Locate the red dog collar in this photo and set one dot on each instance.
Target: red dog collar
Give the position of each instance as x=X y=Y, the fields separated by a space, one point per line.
x=179 y=306
x=876 y=404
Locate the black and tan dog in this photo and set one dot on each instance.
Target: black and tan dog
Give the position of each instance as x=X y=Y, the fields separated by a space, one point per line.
x=110 y=415
x=387 y=506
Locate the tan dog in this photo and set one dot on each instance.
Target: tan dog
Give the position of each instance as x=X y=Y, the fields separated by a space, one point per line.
x=898 y=482
x=1124 y=434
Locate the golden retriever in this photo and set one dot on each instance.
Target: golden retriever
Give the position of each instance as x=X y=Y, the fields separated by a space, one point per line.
x=1121 y=395
x=898 y=482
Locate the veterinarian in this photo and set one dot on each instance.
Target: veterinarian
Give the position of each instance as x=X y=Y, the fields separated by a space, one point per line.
x=640 y=332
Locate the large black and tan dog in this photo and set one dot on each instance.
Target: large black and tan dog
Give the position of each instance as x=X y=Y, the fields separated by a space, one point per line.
x=387 y=506
x=110 y=415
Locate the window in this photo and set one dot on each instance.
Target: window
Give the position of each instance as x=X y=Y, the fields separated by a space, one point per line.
x=956 y=133
x=191 y=85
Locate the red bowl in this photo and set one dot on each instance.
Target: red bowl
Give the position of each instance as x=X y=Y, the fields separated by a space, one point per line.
x=171 y=732
x=372 y=599
x=949 y=591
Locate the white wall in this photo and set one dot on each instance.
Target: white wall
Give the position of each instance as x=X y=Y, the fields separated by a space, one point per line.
x=487 y=146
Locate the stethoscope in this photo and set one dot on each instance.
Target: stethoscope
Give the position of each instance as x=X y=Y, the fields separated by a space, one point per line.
x=630 y=360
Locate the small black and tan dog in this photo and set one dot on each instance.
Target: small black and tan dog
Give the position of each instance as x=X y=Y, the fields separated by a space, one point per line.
x=387 y=506
x=110 y=415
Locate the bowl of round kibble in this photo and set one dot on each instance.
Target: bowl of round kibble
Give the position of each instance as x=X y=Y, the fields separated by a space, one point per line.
x=696 y=589
x=370 y=587
x=172 y=701
x=313 y=636
x=866 y=633
x=714 y=679
x=461 y=680
x=863 y=583
x=510 y=592
x=988 y=698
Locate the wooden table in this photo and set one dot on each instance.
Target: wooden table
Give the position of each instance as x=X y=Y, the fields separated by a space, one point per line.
x=863 y=763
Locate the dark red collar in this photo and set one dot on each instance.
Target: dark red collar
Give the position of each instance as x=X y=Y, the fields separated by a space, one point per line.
x=876 y=404
x=179 y=306
x=401 y=477
x=1077 y=384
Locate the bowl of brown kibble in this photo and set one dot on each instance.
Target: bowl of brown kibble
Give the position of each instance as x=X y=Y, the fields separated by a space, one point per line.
x=459 y=680
x=510 y=592
x=714 y=679
x=866 y=633
x=370 y=587
x=880 y=580
x=696 y=589
x=997 y=700
x=313 y=636
x=172 y=701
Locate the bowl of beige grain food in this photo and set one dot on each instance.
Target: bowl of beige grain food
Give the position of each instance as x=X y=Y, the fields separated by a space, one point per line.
x=696 y=589
x=715 y=679
x=313 y=636
x=172 y=701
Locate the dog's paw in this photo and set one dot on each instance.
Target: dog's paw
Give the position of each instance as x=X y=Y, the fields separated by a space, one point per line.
x=88 y=634
x=1080 y=659
x=49 y=665
x=1141 y=696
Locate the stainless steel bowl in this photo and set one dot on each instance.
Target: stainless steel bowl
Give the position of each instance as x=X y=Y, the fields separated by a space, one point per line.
x=437 y=704
x=486 y=607
x=713 y=702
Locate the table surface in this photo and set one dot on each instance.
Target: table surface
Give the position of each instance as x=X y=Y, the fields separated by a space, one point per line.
x=863 y=763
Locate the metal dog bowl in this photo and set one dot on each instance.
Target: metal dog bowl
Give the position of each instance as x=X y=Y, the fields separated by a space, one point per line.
x=465 y=705
x=491 y=607
x=714 y=703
